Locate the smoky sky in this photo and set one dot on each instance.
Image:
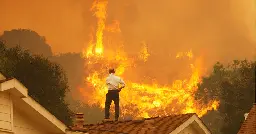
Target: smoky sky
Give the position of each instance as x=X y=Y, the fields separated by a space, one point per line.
x=215 y=30
x=219 y=30
x=166 y=24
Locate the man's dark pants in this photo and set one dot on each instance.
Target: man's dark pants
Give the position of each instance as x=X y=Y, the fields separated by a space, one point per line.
x=112 y=95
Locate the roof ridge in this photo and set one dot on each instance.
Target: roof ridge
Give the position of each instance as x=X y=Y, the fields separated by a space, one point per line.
x=125 y=121
x=172 y=115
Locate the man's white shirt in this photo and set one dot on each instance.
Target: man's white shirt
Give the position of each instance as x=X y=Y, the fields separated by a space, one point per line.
x=113 y=82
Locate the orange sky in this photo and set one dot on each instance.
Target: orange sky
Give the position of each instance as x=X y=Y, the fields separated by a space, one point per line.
x=214 y=29
x=219 y=28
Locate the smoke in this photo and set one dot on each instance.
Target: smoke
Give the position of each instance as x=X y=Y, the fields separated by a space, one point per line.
x=64 y=23
x=219 y=30
x=214 y=30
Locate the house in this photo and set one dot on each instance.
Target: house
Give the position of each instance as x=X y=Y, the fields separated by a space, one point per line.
x=173 y=124
x=249 y=125
x=20 y=114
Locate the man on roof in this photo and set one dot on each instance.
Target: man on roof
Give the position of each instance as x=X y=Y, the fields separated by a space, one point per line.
x=115 y=85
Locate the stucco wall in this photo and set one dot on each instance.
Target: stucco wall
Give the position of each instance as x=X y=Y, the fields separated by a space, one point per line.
x=5 y=112
x=24 y=125
x=21 y=124
x=193 y=128
x=188 y=130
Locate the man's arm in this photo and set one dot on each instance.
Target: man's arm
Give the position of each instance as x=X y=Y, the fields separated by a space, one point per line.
x=107 y=82
x=122 y=83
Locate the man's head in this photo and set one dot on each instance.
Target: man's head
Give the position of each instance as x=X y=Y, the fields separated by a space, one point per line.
x=111 y=71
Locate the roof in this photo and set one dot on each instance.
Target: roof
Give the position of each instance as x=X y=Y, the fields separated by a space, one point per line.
x=156 y=125
x=25 y=103
x=249 y=125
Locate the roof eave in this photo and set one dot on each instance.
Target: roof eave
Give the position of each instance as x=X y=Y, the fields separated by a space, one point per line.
x=188 y=122
x=14 y=87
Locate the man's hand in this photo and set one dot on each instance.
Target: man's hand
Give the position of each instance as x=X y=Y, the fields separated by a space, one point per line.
x=119 y=89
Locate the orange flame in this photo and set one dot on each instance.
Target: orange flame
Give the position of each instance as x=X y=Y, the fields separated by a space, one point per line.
x=100 y=7
x=144 y=54
x=139 y=99
x=189 y=54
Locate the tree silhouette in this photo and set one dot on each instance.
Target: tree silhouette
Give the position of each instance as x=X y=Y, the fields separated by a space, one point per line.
x=28 y=40
x=46 y=81
x=234 y=86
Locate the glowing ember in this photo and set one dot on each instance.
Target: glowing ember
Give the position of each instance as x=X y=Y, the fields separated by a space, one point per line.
x=138 y=99
x=144 y=52
x=182 y=54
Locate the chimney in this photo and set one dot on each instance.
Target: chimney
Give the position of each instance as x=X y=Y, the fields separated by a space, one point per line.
x=79 y=120
x=245 y=115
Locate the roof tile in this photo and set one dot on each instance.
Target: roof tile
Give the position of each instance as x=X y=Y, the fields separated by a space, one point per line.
x=156 y=125
x=249 y=125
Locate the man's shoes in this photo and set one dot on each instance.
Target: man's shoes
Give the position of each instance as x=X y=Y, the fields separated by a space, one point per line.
x=107 y=120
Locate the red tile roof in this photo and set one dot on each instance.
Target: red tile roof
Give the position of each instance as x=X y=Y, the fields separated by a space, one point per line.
x=249 y=125
x=157 y=125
